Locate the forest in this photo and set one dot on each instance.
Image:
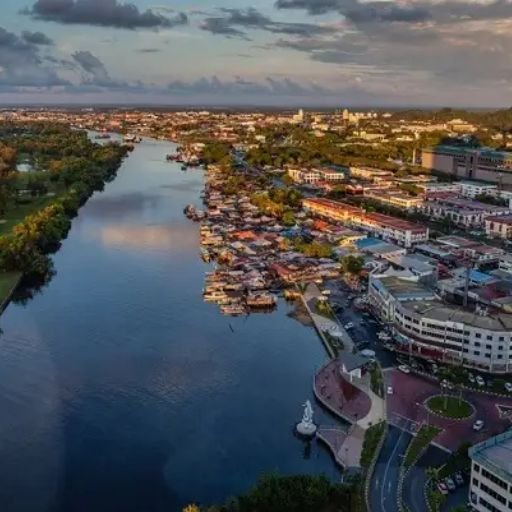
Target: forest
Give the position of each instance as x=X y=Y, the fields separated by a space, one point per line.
x=62 y=168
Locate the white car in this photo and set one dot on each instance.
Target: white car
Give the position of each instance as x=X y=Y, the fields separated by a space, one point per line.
x=480 y=381
x=349 y=326
x=390 y=390
x=508 y=387
x=478 y=425
x=404 y=368
x=471 y=378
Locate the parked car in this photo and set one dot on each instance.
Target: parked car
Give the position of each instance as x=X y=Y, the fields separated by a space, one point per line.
x=349 y=326
x=508 y=387
x=441 y=487
x=459 y=479
x=450 y=484
x=471 y=378
x=390 y=390
x=480 y=381
x=404 y=368
x=478 y=425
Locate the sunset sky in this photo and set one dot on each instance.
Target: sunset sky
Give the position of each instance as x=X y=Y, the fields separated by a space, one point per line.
x=270 y=52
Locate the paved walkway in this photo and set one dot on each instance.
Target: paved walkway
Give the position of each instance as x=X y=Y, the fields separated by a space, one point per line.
x=346 y=446
x=340 y=396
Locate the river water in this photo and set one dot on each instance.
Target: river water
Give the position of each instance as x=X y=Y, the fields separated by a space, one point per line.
x=121 y=390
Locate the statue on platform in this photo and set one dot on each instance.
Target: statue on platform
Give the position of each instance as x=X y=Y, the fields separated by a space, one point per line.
x=306 y=427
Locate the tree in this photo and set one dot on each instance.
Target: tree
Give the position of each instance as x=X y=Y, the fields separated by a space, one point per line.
x=351 y=264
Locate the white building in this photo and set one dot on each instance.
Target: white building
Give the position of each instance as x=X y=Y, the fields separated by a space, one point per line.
x=491 y=474
x=473 y=189
x=499 y=227
x=436 y=330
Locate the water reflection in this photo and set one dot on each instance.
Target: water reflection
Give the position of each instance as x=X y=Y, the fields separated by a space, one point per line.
x=177 y=237
x=121 y=390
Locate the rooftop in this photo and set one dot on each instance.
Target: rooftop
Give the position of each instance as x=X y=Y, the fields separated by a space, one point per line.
x=437 y=310
x=495 y=453
x=403 y=289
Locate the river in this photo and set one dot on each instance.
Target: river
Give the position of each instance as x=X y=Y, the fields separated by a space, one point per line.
x=121 y=390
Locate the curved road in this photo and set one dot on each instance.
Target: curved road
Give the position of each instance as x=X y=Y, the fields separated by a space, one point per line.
x=384 y=484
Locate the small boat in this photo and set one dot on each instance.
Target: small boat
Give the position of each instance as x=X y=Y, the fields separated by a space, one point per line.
x=205 y=255
x=184 y=167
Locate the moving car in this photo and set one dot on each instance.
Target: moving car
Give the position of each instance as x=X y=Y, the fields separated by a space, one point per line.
x=478 y=425
x=459 y=479
x=390 y=390
x=404 y=368
x=349 y=326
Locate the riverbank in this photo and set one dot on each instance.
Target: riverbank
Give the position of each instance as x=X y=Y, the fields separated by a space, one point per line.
x=42 y=202
x=119 y=364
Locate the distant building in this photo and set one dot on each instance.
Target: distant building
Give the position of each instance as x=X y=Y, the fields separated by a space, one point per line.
x=389 y=228
x=469 y=163
x=499 y=227
x=473 y=189
x=491 y=474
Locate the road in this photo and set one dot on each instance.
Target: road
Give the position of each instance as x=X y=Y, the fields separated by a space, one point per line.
x=412 y=491
x=384 y=484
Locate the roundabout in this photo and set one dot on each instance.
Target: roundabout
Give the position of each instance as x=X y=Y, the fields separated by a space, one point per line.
x=449 y=406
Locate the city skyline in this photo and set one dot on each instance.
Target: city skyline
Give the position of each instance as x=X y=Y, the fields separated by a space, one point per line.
x=278 y=53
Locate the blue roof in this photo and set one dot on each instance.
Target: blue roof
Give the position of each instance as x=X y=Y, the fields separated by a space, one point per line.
x=368 y=242
x=479 y=277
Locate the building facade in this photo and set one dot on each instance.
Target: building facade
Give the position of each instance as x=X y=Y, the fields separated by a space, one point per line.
x=490 y=487
x=424 y=325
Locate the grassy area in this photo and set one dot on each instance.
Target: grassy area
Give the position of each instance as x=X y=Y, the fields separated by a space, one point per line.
x=377 y=382
x=16 y=212
x=371 y=440
x=450 y=407
x=418 y=443
x=7 y=282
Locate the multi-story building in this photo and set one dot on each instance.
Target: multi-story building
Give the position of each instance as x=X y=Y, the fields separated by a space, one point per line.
x=430 y=328
x=463 y=212
x=473 y=189
x=315 y=175
x=469 y=163
x=490 y=486
x=389 y=228
x=395 y=198
x=370 y=173
x=499 y=227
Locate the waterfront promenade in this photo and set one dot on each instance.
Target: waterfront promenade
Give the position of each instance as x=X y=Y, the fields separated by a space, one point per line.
x=347 y=397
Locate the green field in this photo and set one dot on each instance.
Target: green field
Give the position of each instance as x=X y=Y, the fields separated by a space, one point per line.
x=450 y=407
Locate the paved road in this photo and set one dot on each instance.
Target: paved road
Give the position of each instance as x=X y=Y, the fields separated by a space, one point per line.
x=414 y=483
x=384 y=484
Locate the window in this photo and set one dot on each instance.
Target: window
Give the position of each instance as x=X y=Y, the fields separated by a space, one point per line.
x=478 y=335
x=494 y=479
x=489 y=337
x=476 y=352
x=487 y=505
x=493 y=494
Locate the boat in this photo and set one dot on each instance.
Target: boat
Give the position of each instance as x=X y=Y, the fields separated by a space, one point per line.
x=189 y=210
x=205 y=255
x=260 y=300
x=184 y=167
x=233 y=310
x=131 y=138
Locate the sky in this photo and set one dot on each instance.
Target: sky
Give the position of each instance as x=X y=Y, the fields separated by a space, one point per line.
x=328 y=53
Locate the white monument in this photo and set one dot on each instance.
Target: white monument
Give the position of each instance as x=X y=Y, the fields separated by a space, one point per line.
x=306 y=427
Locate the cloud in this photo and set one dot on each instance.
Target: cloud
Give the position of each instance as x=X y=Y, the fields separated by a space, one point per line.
x=21 y=65
x=37 y=38
x=105 y=13
x=240 y=87
x=234 y=23
x=435 y=45
x=95 y=72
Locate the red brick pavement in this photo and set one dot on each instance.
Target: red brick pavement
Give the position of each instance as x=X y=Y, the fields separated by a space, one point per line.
x=411 y=390
x=343 y=397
